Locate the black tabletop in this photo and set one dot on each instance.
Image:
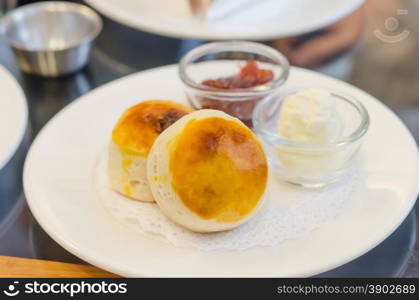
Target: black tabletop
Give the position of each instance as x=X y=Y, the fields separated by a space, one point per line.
x=117 y=52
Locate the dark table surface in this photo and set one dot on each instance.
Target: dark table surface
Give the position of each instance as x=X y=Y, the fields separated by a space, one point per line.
x=120 y=51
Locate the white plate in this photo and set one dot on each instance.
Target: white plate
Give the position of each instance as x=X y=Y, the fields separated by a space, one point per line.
x=13 y=116
x=165 y=18
x=59 y=186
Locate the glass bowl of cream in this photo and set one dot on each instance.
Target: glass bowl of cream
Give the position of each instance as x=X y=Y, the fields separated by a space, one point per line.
x=311 y=135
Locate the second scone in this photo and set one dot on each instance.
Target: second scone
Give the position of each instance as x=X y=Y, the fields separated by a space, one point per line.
x=132 y=138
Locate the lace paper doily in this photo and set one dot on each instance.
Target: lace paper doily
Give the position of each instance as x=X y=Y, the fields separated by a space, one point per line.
x=287 y=213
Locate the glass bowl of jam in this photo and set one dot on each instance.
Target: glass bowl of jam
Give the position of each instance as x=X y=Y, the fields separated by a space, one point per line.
x=232 y=76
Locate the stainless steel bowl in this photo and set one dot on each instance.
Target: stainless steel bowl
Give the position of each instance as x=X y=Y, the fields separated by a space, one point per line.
x=51 y=38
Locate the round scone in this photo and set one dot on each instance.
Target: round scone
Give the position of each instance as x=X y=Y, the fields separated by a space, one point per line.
x=208 y=171
x=132 y=138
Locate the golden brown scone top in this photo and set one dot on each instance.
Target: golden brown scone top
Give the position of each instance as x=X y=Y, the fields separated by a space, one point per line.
x=141 y=124
x=218 y=169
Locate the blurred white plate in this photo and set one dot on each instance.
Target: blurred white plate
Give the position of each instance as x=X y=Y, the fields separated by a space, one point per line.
x=59 y=186
x=173 y=18
x=13 y=116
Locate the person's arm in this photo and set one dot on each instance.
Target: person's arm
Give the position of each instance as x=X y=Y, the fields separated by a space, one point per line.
x=199 y=7
x=313 y=49
x=333 y=40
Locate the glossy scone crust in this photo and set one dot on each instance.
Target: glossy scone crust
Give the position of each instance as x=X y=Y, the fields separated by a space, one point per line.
x=132 y=138
x=208 y=171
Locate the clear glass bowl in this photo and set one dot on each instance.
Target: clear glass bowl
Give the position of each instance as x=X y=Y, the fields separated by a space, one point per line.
x=306 y=164
x=222 y=59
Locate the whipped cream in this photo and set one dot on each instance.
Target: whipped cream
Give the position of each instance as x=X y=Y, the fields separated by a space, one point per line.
x=310 y=116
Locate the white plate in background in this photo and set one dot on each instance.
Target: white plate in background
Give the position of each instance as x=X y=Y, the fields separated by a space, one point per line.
x=13 y=116
x=59 y=187
x=173 y=18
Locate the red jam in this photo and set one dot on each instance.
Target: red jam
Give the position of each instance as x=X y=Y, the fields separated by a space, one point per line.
x=249 y=76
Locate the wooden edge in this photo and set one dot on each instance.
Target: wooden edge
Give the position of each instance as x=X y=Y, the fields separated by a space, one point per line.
x=35 y=268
